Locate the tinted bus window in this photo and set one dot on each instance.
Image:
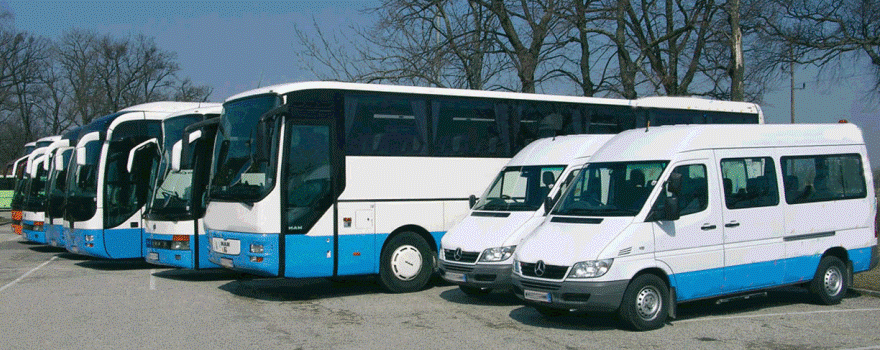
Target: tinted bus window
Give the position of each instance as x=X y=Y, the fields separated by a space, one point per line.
x=468 y=128
x=385 y=125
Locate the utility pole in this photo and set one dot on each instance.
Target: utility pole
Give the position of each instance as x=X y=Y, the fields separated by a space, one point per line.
x=791 y=75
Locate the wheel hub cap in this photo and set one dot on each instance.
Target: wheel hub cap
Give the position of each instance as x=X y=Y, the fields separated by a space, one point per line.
x=833 y=281
x=406 y=262
x=648 y=303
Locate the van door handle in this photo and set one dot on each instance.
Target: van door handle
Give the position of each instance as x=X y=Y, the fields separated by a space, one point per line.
x=731 y=224
x=707 y=227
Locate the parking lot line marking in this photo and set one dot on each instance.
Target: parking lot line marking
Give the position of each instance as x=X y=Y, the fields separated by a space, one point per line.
x=701 y=319
x=152 y=279
x=10 y=284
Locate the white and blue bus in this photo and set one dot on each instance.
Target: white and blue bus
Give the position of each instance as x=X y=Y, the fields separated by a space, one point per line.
x=173 y=217
x=106 y=200
x=34 y=191
x=21 y=179
x=324 y=179
x=56 y=190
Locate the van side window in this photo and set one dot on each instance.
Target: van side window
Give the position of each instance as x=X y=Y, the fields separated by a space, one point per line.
x=823 y=178
x=694 y=194
x=749 y=182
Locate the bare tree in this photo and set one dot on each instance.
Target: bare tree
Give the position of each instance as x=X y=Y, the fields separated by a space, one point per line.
x=825 y=31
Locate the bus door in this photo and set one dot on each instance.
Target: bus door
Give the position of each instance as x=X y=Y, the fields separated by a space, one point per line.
x=308 y=245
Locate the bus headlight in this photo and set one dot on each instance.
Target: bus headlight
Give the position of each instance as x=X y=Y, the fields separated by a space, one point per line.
x=497 y=254
x=179 y=245
x=590 y=269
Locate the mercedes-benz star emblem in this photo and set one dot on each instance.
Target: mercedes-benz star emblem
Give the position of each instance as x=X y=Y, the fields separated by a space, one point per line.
x=457 y=254
x=540 y=268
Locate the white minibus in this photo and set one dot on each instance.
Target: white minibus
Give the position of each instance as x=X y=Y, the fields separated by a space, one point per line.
x=475 y=253
x=670 y=214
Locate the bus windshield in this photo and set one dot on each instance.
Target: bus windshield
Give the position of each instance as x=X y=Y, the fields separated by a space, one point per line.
x=611 y=189
x=520 y=188
x=36 y=192
x=171 y=196
x=236 y=175
x=57 y=185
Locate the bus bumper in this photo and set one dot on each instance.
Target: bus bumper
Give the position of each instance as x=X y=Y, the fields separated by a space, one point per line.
x=54 y=236
x=586 y=296
x=160 y=249
x=110 y=244
x=33 y=231
x=479 y=275
x=246 y=252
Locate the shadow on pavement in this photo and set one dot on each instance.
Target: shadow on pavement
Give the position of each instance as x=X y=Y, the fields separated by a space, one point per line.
x=116 y=265
x=48 y=249
x=300 y=289
x=495 y=298
x=201 y=275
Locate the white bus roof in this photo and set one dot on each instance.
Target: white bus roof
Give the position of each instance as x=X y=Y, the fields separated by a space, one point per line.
x=559 y=150
x=697 y=103
x=164 y=106
x=312 y=85
x=666 y=102
x=204 y=108
x=663 y=142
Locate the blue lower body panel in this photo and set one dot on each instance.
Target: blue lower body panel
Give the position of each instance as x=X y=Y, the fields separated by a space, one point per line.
x=196 y=257
x=263 y=264
x=54 y=236
x=30 y=232
x=124 y=243
x=761 y=275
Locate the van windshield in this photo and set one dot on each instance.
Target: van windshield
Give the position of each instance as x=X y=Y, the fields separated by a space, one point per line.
x=520 y=188
x=611 y=189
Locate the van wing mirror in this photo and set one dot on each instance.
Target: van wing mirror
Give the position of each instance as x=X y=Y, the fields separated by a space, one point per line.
x=136 y=149
x=81 y=146
x=673 y=184
x=472 y=200
x=548 y=204
x=670 y=209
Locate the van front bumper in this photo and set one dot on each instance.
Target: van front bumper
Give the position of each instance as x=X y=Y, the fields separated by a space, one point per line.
x=586 y=296
x=479 y=275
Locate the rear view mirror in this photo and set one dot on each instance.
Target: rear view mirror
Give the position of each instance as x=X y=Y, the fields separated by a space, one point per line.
x=35 y=166
x=81 y=146
x=260 y=141
x=673 y=184
x=59 y=158
x=472 y=200
x=136 y=149
x=176 y=151
x=186 y=147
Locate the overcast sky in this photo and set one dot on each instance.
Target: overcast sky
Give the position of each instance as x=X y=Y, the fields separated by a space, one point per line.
x=235 y=46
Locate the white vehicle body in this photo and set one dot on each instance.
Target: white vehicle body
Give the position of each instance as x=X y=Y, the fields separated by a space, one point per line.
x=476 y=252
x=761 y=206
x=33 y=211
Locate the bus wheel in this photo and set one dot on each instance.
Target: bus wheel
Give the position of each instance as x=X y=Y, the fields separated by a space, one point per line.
x=406 y=264
x=829 y=283
x=644 y=306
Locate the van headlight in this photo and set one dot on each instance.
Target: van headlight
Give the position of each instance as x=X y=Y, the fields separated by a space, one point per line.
x=497 y=254
x=590 y=269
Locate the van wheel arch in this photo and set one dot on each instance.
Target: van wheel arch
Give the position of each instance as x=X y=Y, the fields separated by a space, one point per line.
x=672 y=295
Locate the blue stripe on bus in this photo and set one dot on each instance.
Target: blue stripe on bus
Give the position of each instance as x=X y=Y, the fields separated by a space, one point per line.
x=54 y=236
x=181 y=258
x=123 y=243
x=31 y=235
x=720 y=281
x=306 y=256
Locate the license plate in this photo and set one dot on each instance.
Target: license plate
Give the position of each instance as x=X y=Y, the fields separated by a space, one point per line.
x=226 y=262
x=153 y=256
x=226 y=246
x=456 y=277
x=537 y=296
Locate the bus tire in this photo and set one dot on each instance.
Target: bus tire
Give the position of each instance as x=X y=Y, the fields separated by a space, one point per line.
x=829 y=283
x=406 y=263
x=645 y=303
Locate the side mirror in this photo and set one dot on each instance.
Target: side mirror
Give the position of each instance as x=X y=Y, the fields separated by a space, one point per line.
x=472 y=200
x=670 y=209
x=260 y=141
x=176 y=151
x=59 y=158
x=136 y=149
x=186 y=147
x=81 y=146
x=548 y=204
x=673 y=184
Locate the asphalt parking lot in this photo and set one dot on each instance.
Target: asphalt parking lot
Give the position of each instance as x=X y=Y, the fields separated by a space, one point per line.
x=54 y=299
